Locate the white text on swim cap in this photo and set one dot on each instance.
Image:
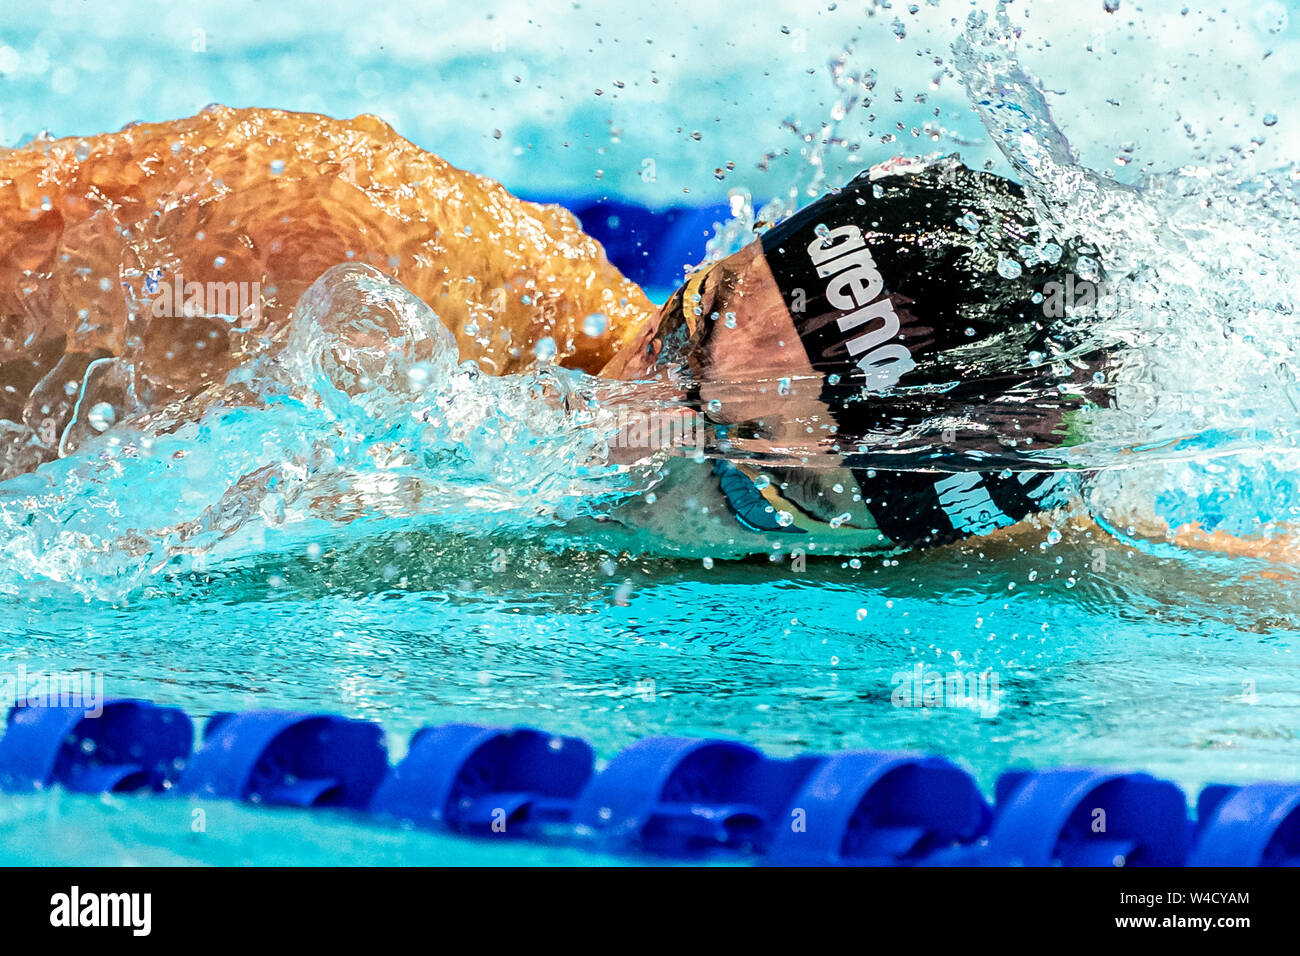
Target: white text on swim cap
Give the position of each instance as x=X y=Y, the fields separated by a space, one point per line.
x=857 y=289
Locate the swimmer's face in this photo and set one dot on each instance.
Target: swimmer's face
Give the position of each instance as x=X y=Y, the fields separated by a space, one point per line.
x=727 y=340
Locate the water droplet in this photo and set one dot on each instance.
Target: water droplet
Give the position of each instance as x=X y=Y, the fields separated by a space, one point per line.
x=545 y=349
x=1110 y=6
x=277 y=167
x=730 y=320
x=1272 y=17
x=419 y=374
x=101 y=417
x=784 y=519
x=595 y=325
x=1053 y=537
x=708 y=564
x=970 y=223
x=1009 y=268
x=1270 y=119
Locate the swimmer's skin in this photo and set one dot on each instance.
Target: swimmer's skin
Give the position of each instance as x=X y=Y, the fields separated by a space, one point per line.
x=1284 y=548
x=273 y=198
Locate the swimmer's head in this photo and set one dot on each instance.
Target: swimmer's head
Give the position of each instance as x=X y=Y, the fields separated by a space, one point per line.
x=915 y=295
x=866 y=286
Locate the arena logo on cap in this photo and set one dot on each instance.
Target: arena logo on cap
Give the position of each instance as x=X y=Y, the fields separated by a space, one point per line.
x=856 y=289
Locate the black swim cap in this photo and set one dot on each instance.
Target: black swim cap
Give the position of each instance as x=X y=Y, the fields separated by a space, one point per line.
x=918 y=294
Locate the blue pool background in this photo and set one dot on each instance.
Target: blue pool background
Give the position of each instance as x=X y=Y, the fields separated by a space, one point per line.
x=1183 y=667
x=582 y=95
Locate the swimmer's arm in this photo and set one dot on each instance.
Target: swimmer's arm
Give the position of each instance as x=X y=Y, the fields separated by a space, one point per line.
x=1282 y=547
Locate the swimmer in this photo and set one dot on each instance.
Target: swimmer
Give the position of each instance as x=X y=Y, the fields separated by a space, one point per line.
x=876 y=316
x=905 y=306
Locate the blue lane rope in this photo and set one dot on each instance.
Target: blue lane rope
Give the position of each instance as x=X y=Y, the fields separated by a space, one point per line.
x=670 y=796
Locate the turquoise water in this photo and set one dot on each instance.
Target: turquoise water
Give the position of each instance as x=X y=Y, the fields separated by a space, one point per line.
x=1176 y=662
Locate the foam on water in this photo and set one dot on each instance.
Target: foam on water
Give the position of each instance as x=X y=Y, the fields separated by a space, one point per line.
x=365 y=420
x=1202 y=262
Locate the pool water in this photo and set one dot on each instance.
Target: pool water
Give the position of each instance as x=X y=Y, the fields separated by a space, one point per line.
x=1095 y=648
x=1122 y=669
